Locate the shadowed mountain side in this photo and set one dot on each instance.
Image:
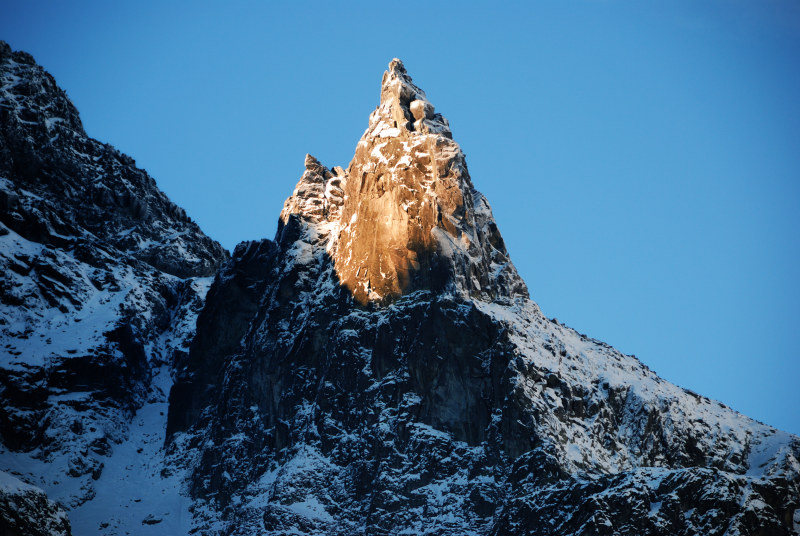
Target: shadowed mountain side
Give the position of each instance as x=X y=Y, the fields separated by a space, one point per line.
x=237 y=291
x=381 y=413
x=101 y=280
x=61 y=188
x=256 y=288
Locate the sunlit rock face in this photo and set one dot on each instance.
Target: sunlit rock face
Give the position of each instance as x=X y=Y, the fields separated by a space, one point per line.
x=404 y=215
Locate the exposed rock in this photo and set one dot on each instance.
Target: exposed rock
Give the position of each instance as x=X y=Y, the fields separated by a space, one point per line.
x=421 y=109
x=68 y=189
x=151 y=520
x=405 y=217
x=25 y=510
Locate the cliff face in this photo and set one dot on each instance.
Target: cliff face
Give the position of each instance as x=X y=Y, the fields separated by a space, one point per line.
x=101 y=278
x=378 y=368
x=409 y=217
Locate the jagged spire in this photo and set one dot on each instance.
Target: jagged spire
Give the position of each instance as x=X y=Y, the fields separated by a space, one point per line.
x=411 y=219
x=404 y=108
x=405 y=216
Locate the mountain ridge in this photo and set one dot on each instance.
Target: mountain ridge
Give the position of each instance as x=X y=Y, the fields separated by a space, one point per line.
x=357 y=374
x=456 y=401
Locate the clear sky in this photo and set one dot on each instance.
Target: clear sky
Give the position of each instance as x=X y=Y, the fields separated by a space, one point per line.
x=642 y=159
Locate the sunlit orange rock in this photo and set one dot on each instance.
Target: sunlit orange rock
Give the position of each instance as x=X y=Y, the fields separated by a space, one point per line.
x=404 y=216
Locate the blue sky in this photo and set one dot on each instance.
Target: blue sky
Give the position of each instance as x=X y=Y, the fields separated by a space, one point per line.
x=642 y=159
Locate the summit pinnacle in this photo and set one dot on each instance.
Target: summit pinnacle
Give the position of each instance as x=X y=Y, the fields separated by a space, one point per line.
x=405 y=216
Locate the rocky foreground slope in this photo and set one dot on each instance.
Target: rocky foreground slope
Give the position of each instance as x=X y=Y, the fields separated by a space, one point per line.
x=101 y=278
x=378 y=368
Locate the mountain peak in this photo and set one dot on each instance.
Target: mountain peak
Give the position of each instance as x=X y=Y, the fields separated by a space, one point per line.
x=404 y=109
x=387 y=323
x=405 y=216
x=396 y=65
x=293 y=409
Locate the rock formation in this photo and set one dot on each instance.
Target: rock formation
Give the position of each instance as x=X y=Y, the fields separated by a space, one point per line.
x=382 y=370
x=405 y=212
x=25 y=509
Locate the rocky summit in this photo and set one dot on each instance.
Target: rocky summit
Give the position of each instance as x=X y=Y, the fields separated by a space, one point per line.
x=404 y=215
x=377 y=368
x=409 y=218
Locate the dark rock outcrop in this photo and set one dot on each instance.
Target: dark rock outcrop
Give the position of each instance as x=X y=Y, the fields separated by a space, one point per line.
x=25 y=510
x=63 y=189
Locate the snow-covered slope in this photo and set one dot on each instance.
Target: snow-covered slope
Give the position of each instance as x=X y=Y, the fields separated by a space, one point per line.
x=101 y=279
x=378 y=368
